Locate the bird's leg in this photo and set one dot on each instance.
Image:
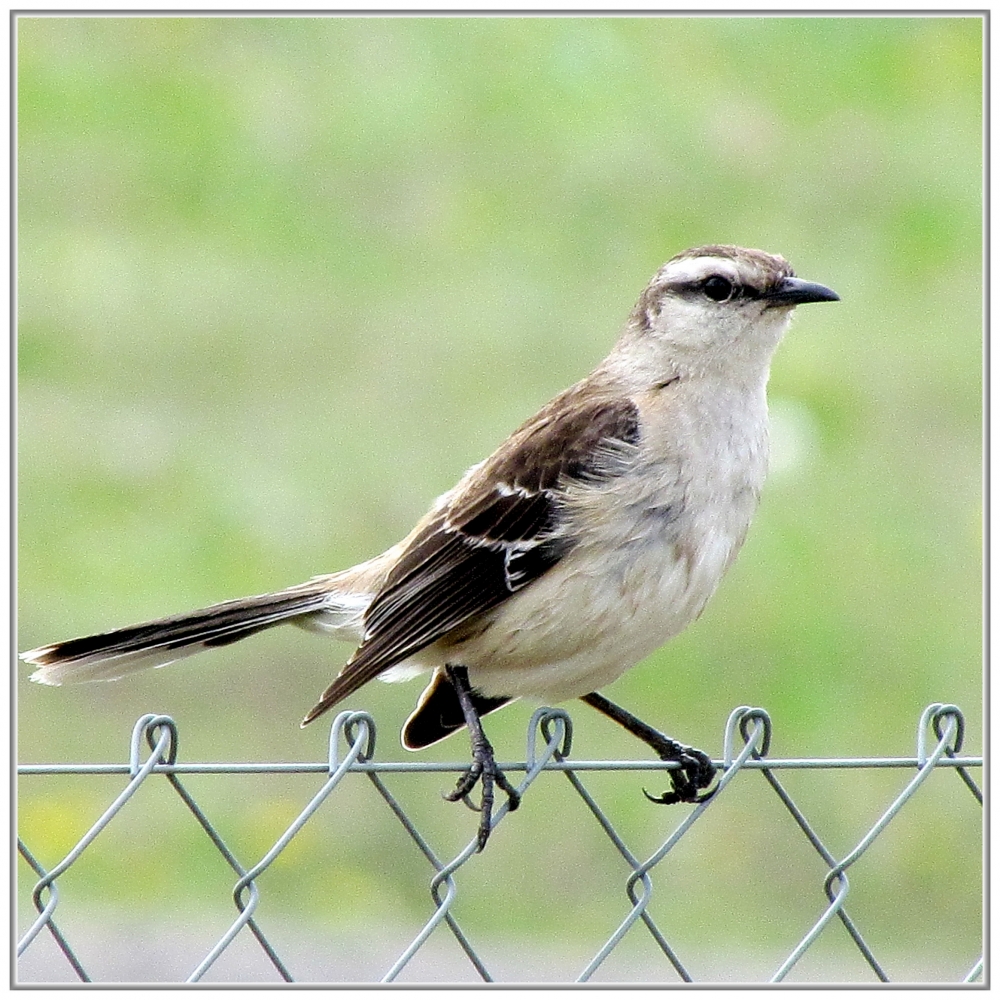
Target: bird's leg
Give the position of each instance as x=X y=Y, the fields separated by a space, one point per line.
x=484 y=766
x=696 y=770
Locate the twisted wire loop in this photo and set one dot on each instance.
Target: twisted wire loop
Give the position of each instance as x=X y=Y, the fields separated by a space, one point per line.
x=164 y=750
x=760 y=737
x=49 y=921
x=359 y=730
x=835 y=884
x=230 y=858
x=810 y=834
x=934 y=717
x=746 y=745
x=556 y=729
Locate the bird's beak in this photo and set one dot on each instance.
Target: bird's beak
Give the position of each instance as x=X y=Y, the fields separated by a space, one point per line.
x=795 y=291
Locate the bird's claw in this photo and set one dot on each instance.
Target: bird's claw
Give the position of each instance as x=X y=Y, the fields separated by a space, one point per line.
x=484 y=769
x=696 y=772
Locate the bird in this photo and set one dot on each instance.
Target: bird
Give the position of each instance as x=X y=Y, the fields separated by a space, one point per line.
x=592 y=535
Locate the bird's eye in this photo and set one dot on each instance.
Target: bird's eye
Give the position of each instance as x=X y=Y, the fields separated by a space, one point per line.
x=718 y=288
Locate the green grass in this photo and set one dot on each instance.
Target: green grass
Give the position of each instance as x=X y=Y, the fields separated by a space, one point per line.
x=280 y=281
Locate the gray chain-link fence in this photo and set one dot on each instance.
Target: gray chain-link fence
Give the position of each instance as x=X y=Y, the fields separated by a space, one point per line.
x=745 y=759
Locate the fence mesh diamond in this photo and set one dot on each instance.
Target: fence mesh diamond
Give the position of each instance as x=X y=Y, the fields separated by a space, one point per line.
x=648 y=935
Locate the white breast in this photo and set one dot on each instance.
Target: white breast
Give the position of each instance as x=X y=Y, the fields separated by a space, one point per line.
x=653 y=545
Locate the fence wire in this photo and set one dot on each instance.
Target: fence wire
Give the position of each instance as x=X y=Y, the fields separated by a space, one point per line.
x=940 y=735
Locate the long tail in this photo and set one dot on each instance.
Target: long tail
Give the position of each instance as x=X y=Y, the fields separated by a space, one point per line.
x=114 y=654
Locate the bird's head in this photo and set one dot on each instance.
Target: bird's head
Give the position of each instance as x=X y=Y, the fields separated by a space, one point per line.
x=717 y=309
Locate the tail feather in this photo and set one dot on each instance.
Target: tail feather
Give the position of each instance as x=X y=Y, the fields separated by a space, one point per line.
x=439 y=713
x=111 y=655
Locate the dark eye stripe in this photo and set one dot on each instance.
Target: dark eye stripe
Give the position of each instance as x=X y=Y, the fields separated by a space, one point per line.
x=696 y=289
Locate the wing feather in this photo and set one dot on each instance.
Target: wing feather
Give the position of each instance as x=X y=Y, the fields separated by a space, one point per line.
x=501 y=530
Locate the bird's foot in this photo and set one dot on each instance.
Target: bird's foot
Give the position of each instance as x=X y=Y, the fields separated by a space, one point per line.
x=696 y=770
x=695 y=773
x=484 y=770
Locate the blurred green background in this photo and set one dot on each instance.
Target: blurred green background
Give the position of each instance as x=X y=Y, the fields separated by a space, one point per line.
x=280 y=281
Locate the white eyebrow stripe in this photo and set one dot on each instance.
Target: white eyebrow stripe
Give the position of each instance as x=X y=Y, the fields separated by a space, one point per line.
x=696 y=268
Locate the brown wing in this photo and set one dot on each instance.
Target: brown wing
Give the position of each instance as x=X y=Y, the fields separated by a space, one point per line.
x=499 y=532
